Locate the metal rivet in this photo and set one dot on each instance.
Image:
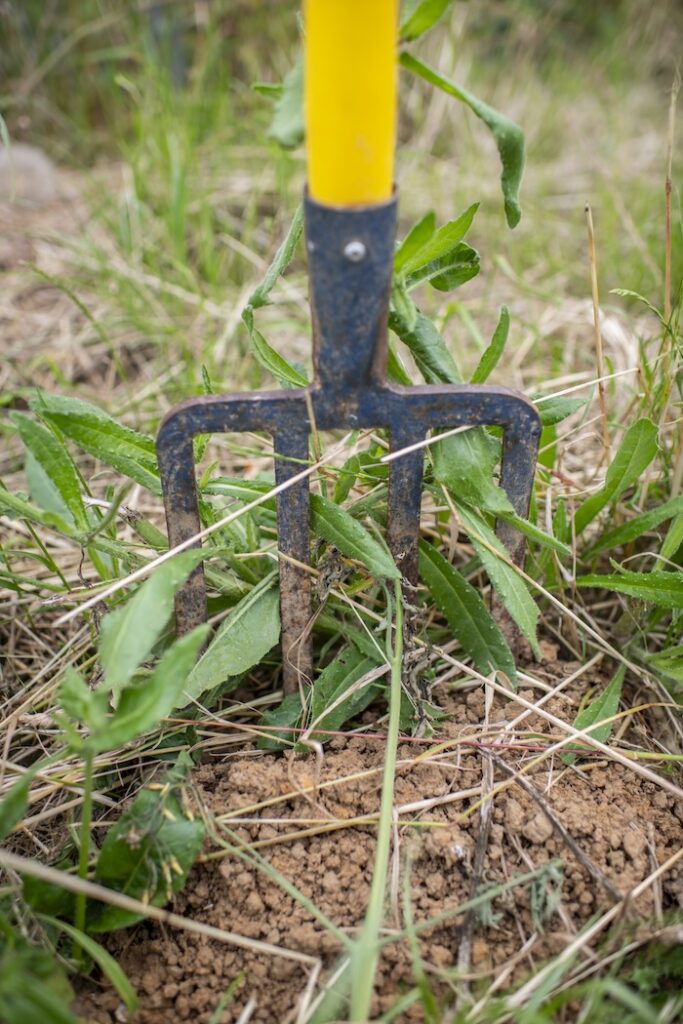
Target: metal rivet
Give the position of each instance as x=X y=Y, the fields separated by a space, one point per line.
x=355 y=251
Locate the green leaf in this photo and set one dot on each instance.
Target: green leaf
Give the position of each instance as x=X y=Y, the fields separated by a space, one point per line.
x=338 y=527
x=270 y=359
x=347 y=669
x=661 y=588
x=638 y=525
x=104 y=960
x=402 y=304
x=509 y=584
x=53 y=480
x=251 y=630
x=554 y=410
x=669 y=662
x=674 y=537
x=448 y=272
x=283 y=257
x=428 y=349
x=420 y=17
x=508 y=136
x=535 y=534
x=416 y=239
x=492 y=354
x=439 y=244
x=604 y=706
x=82 y=705
x=20 y=507
x=14 y=804
x=636 y=452
x=287 y=126
x=466 y=614
x=129 y=634
x=148 y=853
x=287 y=715
x=95 y=432
x=143 y=705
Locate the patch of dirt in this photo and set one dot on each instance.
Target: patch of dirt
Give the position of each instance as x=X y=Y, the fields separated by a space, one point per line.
x=623 y=825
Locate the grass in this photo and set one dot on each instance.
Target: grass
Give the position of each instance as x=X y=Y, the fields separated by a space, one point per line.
x=182 y=210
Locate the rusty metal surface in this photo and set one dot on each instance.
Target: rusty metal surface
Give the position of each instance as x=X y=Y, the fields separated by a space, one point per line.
x=350 y=256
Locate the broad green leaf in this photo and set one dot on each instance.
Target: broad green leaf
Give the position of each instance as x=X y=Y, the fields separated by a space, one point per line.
x=661 y=588
x=95 y=432
x=251 y=630
x=416 y=239
x=510 y=586
x=148 y=853
x=428 y=349
x=490 y=357
x=143 y=705
x=270 y=359
x=286 y=716
x=333 y=682
x=464 y=463
x=441 y=243
x=554 y=410
x=338 y=527
x=420 y=17
x=508 y=136
x=447 y=272
x=283 y=257
x=129 y=634
x=104 y=960
x=639 y=525
x=466 y=613
x=36 y=1002
x=287 y=126
x=402 y=305
x=604 y=706
x=53 y=480
x=636 y=452
x=14 y=804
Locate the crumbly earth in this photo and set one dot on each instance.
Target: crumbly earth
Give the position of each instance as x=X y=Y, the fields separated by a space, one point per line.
x=624 y=826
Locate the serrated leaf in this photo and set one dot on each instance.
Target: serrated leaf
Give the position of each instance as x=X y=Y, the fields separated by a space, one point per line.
x=448 y=272
x=129 y=634
x=53 y=480
x=509 y=584
x=636 y=452
x=508 y=136
x=148 y=853
x=251 y=630
x=95 y=432
x=418 y=236
x=492 y=354
x=661 y=588
x=639 y=525
x=604 y=706
x=287 y=126
x=466 y=614
x=420 y=17
x=144 y=705
x=104 y=960
x=338 y=527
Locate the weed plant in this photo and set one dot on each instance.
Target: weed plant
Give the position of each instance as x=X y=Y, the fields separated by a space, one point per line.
x=121 y=707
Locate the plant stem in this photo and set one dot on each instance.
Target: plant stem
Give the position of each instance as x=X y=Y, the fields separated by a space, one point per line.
x=365 y=955
x=84 y=853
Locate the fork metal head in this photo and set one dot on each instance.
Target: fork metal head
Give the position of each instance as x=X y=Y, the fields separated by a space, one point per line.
x=350 y=254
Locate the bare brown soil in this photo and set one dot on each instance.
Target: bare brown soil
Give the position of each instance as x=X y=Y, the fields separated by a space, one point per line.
x=624 y=827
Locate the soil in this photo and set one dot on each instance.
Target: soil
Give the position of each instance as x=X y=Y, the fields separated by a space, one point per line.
x=623 y=825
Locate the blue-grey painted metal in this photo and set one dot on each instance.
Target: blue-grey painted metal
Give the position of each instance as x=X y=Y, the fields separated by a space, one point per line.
x=350 y=254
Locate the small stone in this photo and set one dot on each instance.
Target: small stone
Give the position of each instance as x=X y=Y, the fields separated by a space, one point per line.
x=514 y=815
x=539 y=829
x=634 y=843
x=330 y=882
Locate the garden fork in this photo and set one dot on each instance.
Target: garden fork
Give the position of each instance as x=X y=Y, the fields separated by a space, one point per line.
x=350 y=254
